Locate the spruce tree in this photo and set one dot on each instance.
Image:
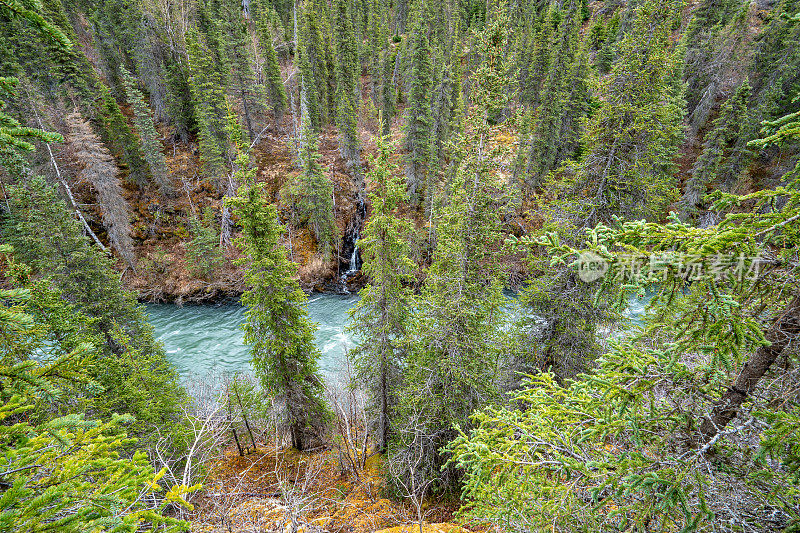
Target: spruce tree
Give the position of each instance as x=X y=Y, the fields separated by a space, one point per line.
x=418 y=113
x=148 y=136
x=130 y=362
x=348 y=92
x=276 y=92
x=453 y=363
x=64 y=471
x=380 y=319
x=716 y=147
x=277 y=327
x=208 y=93
x=632 y=138
x=625 y=169
x=388 y=89
x=310 y=195
x=313 y=66
x=236 y=47
x=118 y=137
x=547 y=147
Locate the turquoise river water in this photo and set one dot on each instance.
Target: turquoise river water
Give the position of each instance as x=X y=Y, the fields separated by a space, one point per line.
x=202 y=340
x=207 y=339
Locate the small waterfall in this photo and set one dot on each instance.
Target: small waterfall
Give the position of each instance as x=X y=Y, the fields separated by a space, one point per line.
x=351 y=239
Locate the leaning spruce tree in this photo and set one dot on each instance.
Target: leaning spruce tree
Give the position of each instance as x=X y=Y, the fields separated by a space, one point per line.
x=148 y=137
x=277 y=327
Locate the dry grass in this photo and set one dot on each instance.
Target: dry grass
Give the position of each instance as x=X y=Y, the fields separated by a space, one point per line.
x=261 y=491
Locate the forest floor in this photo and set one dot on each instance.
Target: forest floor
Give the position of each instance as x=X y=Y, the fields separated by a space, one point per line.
x=284 y=490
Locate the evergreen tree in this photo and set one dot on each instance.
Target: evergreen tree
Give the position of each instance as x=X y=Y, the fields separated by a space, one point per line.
x=453 y=363
x=668 y=460
x=625 y=169
x=98 y=168
x=313 y=64
x=271 y=69
x=278 y=329
x=131 y=363
x=631 y=139
x=16 y=139
x=310 y=195
x=236 y=47
x=348 y=92
x=118 y=137
x=716 y=147
x=418 y=112
x=380 y=319
x=561 y=84
x=203 y=253
x=388 y=89
x=148 y=137
x=538 y=59
x=208 y=94
x=64 y=472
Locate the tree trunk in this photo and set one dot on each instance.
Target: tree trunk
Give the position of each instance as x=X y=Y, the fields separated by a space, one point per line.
x=783 y=329
x=383 y=423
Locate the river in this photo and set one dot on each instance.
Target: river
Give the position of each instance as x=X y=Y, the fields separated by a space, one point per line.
x=207 y=339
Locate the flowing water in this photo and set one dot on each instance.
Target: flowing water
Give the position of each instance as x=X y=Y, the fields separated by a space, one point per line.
x=207 y=339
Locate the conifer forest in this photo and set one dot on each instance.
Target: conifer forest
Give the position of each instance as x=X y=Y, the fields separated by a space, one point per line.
x=560 y=240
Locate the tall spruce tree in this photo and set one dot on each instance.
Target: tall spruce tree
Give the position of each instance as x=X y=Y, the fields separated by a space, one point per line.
x=625 y=169
x=380 y=319
x=148 y=137
x=118 y=137
x=237 y=49
x=547 y=147
x=453 y=363
x=277 y=327
x=309 y=195
x=130 y=362
x=314 y=65
x=348 y=93
x=275 y=89
x=208 y=94
x=716 y=147
x=418 y=112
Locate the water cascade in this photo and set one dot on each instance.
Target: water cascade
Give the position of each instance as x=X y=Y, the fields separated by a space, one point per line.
x=351 y=243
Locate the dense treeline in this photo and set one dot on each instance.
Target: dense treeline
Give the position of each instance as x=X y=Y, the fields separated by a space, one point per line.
x=588 y=154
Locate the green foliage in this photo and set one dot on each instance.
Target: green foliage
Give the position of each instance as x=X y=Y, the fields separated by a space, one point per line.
x=309 y=196
x=380 y=319
x=203 y=253
x=134 y=365
x=272 y=72
x=148 y=137
x=631 y=140
x=16 y=139
x=619 y=448
x=117 y=135
x=314 y=63
x=348 y=87
x=65 y=473
x=455 y=352
x=418 y=113
x=284 y=355
x=207 y=86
